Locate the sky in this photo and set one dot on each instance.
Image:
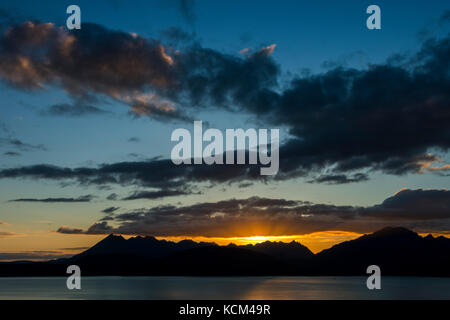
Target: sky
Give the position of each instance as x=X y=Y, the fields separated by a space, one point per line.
x=86 y=118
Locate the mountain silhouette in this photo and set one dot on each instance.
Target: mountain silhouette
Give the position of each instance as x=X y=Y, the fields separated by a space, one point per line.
x=292 y=251
x=397 y=251
x=148 y=247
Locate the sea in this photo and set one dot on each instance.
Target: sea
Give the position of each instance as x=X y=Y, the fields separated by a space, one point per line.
x=225 y=288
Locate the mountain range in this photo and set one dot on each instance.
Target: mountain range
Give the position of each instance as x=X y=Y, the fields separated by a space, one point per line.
x=397 y=251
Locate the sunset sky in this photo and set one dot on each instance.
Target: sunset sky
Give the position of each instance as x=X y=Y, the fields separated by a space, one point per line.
x=86 y=118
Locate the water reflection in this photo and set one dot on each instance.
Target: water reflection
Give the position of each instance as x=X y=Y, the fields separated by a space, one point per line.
x=225 y=288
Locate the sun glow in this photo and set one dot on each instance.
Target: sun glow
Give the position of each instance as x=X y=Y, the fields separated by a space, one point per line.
x=316 y=241
x=258 y=239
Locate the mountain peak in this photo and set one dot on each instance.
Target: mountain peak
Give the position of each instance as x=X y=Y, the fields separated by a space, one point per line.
x=113 y=236
x=394 y=232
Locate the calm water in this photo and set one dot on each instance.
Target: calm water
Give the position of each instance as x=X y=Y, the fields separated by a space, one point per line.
x=225 y=288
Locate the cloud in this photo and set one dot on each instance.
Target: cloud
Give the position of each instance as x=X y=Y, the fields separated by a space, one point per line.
x=245 y=185
x=134 y=139
x=112 y=196
x=110 y=209
x=440 y=168
x=244 y=51
x=86 y=198
x=91 y=61
x=67 y=230
x=96 y=228
x=420 y=204
x=73 y=110
x=33 y=255
x=94 y=62
x=345 y=121
x=436 y=167
x=340 y=179
x=267 y=51
x=11 y=154
x=134 y=155
x=4 y=234
x=99 y=228
x=151 y=195
x=107 y=218
x=74 y=248
x=384 y=118
x=159 y=173
x=427 y=210
x=20 y=145
x=177 y=180
x=153 y=106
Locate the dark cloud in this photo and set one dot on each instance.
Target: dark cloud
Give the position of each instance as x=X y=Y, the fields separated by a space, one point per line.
x=420 y=204
x=67 y=230
x=340 y=178
x=91 y=61
x=20 y=145
x=153 y=173
x=209 y=78
x=107 y=218
x=178 y=180
x=125 y=67
x=134 y=139
x=386 y=117
x=427 y=210
x=245 y=185
x=11 y=154
x=86 y=198
x=110 y=209
x=112 y=196
x=100 y=228
x=74 y=110
x=157 y=194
